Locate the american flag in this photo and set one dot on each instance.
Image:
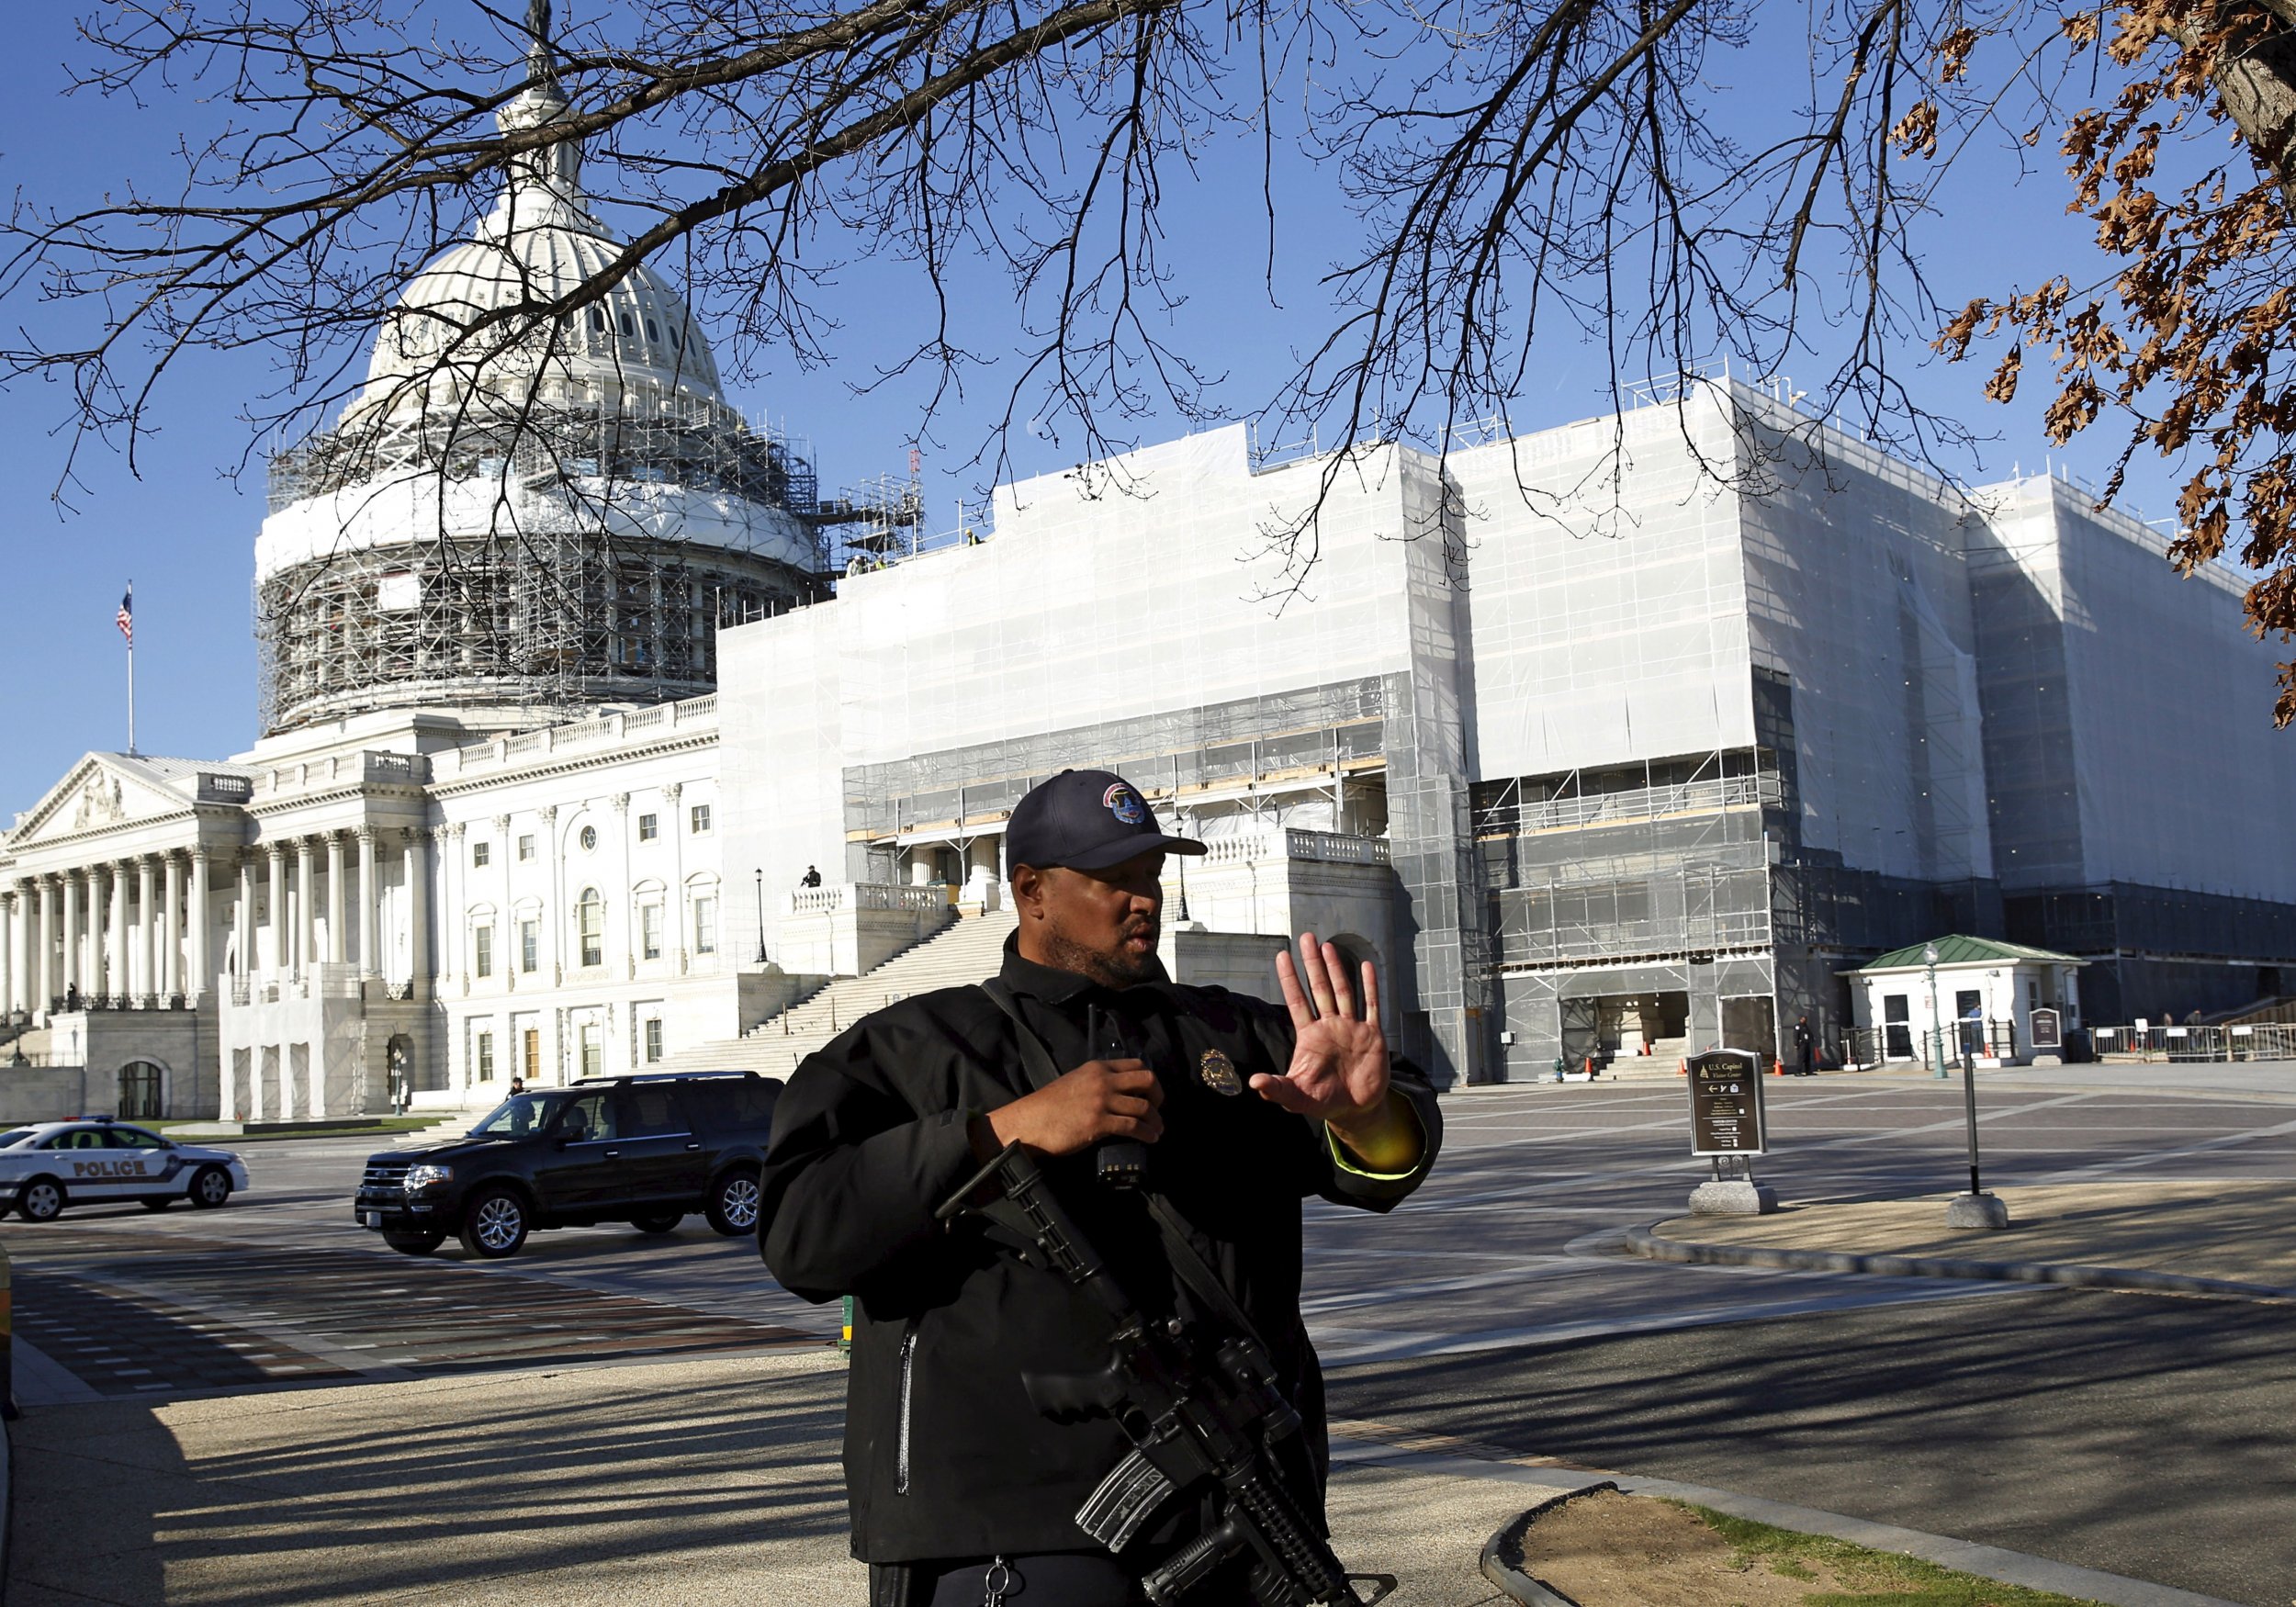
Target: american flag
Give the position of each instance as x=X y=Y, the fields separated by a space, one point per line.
x=126 y=618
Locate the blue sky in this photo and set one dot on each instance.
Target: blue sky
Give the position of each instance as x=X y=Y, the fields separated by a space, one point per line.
x=184 y=531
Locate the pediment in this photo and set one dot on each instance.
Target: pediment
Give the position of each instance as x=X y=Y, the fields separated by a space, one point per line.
x=99 y=794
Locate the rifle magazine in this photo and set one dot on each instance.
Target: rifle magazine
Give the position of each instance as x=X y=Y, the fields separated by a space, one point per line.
x=1133 y=1493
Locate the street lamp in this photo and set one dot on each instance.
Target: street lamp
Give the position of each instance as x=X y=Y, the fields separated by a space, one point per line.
x=762 y=915
x=1937 y=1029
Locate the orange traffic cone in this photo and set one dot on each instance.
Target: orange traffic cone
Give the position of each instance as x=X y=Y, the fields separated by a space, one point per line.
x=1777 y=1068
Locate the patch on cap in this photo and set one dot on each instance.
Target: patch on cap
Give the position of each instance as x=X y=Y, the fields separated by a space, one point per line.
x=1125 y=805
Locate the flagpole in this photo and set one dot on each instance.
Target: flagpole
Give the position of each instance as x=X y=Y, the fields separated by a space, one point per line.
x=131 y=670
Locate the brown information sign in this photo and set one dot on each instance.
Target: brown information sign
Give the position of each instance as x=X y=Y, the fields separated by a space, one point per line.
x=1725 y=1116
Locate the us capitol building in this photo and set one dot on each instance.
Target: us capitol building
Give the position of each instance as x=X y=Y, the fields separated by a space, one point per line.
x=1623 y=737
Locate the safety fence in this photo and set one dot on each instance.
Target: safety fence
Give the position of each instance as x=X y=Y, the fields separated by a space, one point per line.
x=2261 y=1042
x=1862 y=1047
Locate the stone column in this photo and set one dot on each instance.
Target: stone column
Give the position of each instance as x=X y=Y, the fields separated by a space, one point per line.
x=107 y=931
x=45 y=985
x=506 y=945
x=202 y=966
x=148 y=930
x=674 y=912
x=367 y=903
x=304 y=914
x=454 y=926
x=417 y=907
x=338 y=940
x=10 y=966
x=243 y=913
x=71 y=905
x=275 y=867
x=172 y=928
x=624 y=903
x=553 y=894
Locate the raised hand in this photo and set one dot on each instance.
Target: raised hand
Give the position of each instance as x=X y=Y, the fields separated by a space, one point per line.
x=1338 y=1071
x=1339 y=1055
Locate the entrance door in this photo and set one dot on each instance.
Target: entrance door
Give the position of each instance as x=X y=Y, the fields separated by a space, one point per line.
x=1751 y=1022
x=140 y=1092
x=1896 y=1027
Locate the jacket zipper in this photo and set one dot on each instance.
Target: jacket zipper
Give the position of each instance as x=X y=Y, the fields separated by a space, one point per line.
x=901 y=1446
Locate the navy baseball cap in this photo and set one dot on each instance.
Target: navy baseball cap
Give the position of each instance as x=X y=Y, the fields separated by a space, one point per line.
x=1087 y=820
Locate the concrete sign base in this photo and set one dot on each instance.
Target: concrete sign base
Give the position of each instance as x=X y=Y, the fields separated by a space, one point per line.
x=1735 y=1197
x=1976 y=1210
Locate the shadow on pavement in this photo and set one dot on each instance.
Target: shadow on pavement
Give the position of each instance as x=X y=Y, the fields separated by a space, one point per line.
x=2140 y=1435
x=685 y=1482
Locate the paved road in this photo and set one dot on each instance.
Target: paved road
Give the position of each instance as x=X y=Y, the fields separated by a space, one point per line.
x=1494 y=1306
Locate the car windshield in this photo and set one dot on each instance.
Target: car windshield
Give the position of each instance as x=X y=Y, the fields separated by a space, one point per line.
x=518 y=1115
x=14 y=1136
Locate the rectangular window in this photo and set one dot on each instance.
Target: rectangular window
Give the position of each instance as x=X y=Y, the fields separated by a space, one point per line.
x=649 y=930
x=648 y=828
x=705 y=926
x=526 y=845
x=530 y=1053
x=482 y=950
x=653 y=1039
x=593 y=1050
x=481 y=853
x=700 y=819
x=529 y=945
x=483 y=1054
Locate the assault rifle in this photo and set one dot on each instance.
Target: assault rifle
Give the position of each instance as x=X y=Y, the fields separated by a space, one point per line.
x=1198 y=1421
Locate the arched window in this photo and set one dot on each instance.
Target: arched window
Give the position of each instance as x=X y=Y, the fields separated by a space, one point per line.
x=598 y=319
x=590 y=919
x=627 y=328
x=653 y=330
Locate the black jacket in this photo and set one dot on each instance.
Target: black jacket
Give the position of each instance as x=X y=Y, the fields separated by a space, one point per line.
x=944 y=1457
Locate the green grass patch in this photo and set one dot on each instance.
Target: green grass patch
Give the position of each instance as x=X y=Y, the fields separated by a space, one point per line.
x=1875 y=1578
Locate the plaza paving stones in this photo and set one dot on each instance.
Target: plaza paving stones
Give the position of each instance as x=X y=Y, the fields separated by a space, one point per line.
x=123 y=1344
x=131 y=1314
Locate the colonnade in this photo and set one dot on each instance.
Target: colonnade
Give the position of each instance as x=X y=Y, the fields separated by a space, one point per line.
x=136 y=932
x=112 y=933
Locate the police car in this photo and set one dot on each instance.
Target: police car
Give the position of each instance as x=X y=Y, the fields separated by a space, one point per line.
x=53 y=1163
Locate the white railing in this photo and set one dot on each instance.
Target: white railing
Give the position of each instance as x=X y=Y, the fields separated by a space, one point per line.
x=591 y=733
x=896 y=897
x=1329 y=847
x=1640 y=803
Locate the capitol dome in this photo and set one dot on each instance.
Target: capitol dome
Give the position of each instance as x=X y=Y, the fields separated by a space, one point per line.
x=538 y=243
x=539 y=511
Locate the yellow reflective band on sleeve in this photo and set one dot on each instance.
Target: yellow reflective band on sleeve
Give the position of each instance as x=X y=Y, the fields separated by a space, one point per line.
x=1344 y=1159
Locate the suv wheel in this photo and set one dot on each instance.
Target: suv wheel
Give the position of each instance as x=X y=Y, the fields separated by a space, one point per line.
x=210 y=1187
x=41 y=1200
x=658 y=1221
x=494 y=1224
x=733 y=1208
x=414 y=1243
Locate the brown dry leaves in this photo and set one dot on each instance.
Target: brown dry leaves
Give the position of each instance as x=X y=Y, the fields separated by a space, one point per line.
x=2195 y=342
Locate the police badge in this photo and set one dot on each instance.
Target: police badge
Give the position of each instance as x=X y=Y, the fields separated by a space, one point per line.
x=1217 y=1072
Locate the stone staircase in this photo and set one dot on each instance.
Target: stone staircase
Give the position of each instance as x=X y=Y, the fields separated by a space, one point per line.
x=968 y=951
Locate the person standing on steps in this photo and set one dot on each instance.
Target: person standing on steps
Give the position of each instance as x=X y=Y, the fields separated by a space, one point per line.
x=958 y=1487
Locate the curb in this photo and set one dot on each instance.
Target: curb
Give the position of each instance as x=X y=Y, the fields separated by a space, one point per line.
x=1648 y=1244
x=1519 y=1586
x=2008 y=1567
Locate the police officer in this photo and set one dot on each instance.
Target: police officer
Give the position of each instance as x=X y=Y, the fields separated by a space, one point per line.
x=960 y=1492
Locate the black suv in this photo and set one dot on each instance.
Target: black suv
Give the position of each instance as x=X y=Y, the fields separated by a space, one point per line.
x=643 y=1150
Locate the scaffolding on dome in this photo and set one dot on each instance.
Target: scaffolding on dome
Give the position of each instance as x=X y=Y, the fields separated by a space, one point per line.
x=545 y=602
